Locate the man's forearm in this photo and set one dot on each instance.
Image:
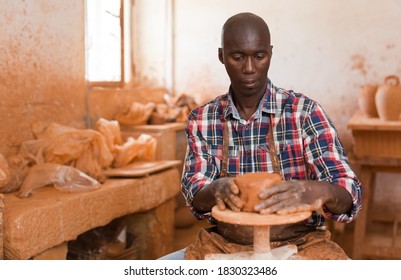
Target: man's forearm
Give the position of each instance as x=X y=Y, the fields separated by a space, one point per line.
x=204 y=198
x=340 y=202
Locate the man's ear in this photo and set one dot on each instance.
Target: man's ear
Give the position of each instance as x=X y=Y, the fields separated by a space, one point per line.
x=221 y=55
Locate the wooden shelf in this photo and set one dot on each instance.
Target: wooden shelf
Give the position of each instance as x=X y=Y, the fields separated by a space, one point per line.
x=375 y=138
x=377 y=148
x=176 y=126
x=360 y=122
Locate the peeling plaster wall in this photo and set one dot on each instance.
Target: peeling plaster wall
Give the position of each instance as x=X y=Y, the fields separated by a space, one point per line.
x=42 y=67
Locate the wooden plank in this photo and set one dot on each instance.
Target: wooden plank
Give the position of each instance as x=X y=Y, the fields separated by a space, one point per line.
x=388 y=217
x=360 y=122
x=380 y=164
x=383 y=252
x=141 y=168
x=175 y=126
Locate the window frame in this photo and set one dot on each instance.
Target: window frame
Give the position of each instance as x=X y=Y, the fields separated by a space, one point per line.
x=122 y=81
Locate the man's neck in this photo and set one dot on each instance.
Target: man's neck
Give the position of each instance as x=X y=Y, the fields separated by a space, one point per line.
x=246 y=109
x=247 y=105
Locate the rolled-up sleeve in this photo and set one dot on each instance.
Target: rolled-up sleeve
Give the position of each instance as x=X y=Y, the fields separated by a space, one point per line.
x=327 y=159
x=199 y=166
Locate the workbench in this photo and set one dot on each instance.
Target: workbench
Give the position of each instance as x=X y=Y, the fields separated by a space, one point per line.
x=171 y=145
x=46 y=221
x=376 y=148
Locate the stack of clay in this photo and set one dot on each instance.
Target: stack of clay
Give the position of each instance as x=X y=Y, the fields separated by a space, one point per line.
x=12 y=173
x=137 y=113
x=174 y=110
x=383 y=101
x=141 y=148
x=71 y=159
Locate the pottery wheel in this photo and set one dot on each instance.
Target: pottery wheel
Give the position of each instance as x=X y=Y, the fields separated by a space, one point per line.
x=261 y=238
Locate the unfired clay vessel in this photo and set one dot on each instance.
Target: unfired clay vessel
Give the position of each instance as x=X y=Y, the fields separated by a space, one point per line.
x=251 y=184
x=388 y=99
x=366 y=100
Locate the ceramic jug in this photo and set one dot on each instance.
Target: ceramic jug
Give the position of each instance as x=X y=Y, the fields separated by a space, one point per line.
x=388 y=99
x=366 y=100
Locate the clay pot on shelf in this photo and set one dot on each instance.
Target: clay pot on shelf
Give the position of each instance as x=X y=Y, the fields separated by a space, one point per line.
x=388 y=99
x=366 y=100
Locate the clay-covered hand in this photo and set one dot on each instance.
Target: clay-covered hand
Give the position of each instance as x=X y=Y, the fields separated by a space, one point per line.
x=227 y=195
x=293 y=196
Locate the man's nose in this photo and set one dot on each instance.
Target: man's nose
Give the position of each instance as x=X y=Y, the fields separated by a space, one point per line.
x=249 y=66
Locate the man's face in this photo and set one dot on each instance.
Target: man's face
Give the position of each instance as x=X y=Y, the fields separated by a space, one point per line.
x=246 y=54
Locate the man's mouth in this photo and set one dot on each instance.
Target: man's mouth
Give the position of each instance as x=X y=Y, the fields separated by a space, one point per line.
x=249 y=83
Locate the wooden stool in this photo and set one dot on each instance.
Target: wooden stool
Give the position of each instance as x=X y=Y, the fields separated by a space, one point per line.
x=261 y=238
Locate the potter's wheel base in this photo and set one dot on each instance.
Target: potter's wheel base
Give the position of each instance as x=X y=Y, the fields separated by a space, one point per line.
x=280 y=253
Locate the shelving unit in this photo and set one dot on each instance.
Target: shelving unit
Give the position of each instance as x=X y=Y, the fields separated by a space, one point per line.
x=377 y=148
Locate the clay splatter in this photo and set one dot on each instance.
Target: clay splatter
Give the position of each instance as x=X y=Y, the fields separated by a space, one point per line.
x=358 y=63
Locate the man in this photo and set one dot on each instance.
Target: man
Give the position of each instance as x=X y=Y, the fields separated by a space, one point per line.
x=265 y=124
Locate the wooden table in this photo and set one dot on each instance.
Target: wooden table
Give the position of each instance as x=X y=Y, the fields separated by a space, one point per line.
x=377 y=148
x=50 y=218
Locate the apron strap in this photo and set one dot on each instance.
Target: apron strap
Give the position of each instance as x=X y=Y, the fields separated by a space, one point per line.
x=272 y=149
x=224 y=163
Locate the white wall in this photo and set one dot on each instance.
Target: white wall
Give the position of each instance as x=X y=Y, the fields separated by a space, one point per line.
x=325 y=49
x=150 y=39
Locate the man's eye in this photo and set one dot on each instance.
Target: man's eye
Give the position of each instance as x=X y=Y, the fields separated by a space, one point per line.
x=260 y=56
x=237 y=57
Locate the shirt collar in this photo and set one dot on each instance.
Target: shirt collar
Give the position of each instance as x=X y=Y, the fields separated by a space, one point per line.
x=270 y=103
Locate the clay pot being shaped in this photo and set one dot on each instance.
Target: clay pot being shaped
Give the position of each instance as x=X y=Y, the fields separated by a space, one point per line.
x=367 y=102
x=251 y=184
x=388 y=99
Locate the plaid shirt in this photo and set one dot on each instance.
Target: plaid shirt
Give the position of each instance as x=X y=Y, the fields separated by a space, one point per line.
x=307 y=145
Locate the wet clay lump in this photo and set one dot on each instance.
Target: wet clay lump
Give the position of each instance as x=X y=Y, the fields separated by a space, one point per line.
x=251 y=184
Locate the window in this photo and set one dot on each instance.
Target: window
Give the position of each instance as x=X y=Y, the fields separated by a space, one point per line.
x=107 y=42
